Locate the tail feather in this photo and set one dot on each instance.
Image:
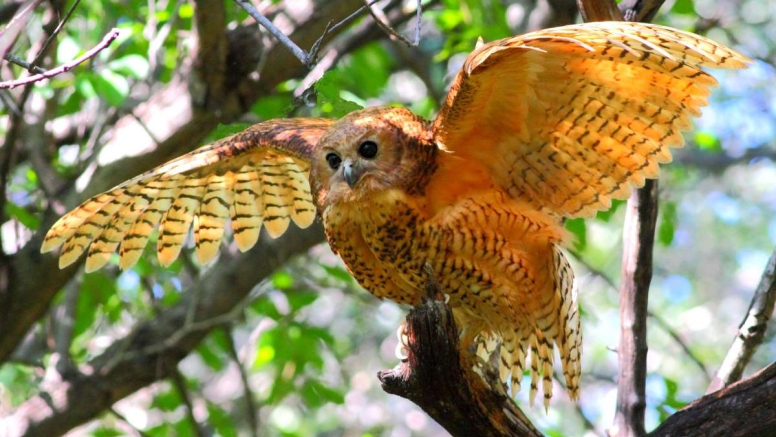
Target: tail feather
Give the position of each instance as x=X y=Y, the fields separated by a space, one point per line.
x=558 y=325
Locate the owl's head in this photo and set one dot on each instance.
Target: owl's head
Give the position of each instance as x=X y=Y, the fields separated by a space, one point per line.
x=369 y=151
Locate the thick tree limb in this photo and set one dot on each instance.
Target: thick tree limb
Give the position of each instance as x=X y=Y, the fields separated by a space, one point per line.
x=436 y=377
x=744 y=409
x=154 y=347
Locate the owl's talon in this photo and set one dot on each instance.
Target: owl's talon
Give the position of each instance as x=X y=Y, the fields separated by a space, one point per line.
x=447 y=298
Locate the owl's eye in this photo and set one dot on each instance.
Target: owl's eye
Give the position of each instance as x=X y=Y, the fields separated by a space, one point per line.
x=368 y=149
x=334 y=160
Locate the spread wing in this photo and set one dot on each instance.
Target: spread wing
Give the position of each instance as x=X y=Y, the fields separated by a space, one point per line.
x=572 y=117
x=259 y=176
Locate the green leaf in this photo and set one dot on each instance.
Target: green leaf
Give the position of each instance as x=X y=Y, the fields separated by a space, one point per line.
x=607 y=214
x=111 y=86
x=338 y=272
x=106 y=432
x=579 y=229
x=684 y=7
x=210 y=357
x=327 y=394
x=282 y=280
x=667 y=228
x=274 y=106
x=186 y=11
x=300 y=299
x=707 y=141
x=220 y=420
x=85 y=86
x=133 y=65
x=264 y=355
x=226 y=130
x=329 y=93
x=264 y=306
x=29 y=220
x=167 y=400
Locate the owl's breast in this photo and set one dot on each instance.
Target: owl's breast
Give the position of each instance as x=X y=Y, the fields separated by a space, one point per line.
x=378 y=239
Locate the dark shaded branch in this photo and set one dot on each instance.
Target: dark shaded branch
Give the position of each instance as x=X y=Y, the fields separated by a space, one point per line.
x=638 y=243
x=179 y=382
x=744 y=409
x=207 y=84
x=251 y=409
x=437 y=378
x=599 y=10
x=751 y=331
x=640 y=10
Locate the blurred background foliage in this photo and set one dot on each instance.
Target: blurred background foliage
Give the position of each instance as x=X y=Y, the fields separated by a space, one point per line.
x=300 y=357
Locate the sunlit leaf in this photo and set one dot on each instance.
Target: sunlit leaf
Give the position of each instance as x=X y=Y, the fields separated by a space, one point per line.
x=131 y=65
x=28 y=219
x=667 y=227
x=300 y=299
x=707 y=141
x=579 y=229
x=112 y=86
x=219 y=419
x=167 y=400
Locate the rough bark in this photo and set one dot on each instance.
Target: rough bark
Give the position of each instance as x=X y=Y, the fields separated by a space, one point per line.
x=437 y=378
x=744 y=409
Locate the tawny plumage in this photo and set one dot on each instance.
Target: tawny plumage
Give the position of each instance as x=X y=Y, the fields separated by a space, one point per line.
x=535 y=128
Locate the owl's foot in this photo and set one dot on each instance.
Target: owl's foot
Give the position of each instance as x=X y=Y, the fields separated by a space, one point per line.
x=402 y=348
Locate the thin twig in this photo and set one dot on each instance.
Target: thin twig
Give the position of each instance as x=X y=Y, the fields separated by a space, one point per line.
x=54 y=34
x=308 y=59
x=352 y=16
x=9 y=33
x=379 y=16
x=264 y=21
x=24 y=64
x=751 y=331
x=179 y=382
x=678 y=339
x=106 y=41
x=251 y=409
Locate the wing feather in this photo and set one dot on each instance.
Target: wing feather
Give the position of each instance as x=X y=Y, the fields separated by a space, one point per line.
x=572 y=117
x=259 y=176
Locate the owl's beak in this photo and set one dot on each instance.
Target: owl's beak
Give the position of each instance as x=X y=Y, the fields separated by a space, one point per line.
x=351 y=175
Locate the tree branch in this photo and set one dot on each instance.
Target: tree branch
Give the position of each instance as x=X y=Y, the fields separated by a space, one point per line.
x=744 y=409
x=106 y=41
x=751 y=331
x=438 y=379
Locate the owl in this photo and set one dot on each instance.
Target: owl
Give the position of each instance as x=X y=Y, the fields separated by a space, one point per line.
x=536 y=128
